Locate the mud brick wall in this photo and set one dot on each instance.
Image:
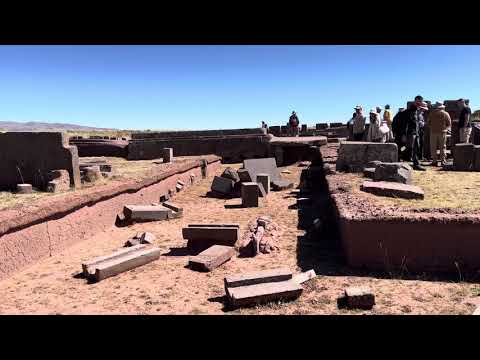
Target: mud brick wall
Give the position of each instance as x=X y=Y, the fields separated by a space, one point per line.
x=230 y=148
x=196 y=133
x=35 y=154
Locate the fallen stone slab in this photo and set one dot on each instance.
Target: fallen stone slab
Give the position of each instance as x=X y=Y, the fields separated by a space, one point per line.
x=164 y=197
x=24 y=189
x=92 y=173
x=178 y=187
x=257 y=294
x=477 y=311
x=222 y=185
x=305 y=276
x=103 y=166
x=244 y=175
x=141 y=238
x=180 y=182
x=279 y=185
x=172 y=206
x=211 y=258
x=229 y=235
x=258 y=277
x=391 y=189
x=145 y=212
x=359 y=298
x=396 y=172
x=261 y=190
x=463 y=157
x=114 y=266
x=262 y=166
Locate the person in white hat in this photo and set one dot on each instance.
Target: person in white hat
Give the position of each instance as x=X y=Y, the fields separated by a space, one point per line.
x=438 y=122
x=374 y=133
x=358 y=124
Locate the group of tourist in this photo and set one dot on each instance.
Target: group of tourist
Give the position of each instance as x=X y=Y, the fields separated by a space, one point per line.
x=407 y=127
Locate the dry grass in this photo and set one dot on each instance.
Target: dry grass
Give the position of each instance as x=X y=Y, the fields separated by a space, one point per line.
x=443 y=189
x=109 y=133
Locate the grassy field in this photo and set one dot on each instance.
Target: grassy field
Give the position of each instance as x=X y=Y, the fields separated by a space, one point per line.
x=443 y=189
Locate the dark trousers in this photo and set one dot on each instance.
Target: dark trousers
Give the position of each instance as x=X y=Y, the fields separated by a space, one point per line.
x=358 y=137
x=413 y=144
x=420 y=143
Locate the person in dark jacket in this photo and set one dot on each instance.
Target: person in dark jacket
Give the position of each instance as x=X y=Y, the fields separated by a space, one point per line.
x=398 y=131
x=293 y=124
x=411 y=119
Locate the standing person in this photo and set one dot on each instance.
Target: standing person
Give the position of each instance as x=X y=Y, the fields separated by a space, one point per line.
x=421 y=129
x=438 y=122
x=387 y=116
x=358 y=124
x=464 y=121
x=293 y=123
x=411 y=123
x=398 y=131
x=374 y=134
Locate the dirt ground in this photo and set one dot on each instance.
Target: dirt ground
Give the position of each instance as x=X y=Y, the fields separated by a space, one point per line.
x=166 y=286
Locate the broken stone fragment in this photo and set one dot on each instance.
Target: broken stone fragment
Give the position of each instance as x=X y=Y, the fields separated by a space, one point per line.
x=92 y=173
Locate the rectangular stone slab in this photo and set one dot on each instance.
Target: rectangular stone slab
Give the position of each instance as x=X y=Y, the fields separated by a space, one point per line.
x=391 y=189
x=89 y=265
x=215 y=225
x=258 y=277
x=252 y=295
x=211 y=258
x=145 y=212
x=244 y=175
x=262 y=166
x=250 y=193
x=130 y=261
x=227 y=235
x=359 y=298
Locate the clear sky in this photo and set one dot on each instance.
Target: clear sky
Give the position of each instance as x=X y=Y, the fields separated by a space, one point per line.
x=218 y=87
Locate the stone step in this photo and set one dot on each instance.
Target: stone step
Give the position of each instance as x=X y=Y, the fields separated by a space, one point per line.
x=256 y=294
x=258 y=277
x=305 y=276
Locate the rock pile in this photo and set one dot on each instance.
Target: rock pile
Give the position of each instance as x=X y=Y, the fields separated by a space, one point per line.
x=261 y=237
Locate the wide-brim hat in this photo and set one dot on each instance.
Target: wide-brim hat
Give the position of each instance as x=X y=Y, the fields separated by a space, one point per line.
x=358 y=107
x=439 y=105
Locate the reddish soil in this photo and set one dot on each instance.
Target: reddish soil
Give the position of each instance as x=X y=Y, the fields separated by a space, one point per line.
x=166 y=286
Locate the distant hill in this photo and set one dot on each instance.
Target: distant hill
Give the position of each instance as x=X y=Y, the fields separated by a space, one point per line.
x=41 y=126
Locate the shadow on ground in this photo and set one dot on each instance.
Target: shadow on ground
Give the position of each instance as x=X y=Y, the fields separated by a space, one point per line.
x=320 y=247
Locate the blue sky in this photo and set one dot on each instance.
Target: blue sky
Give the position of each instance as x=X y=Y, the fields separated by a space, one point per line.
x=210 y=87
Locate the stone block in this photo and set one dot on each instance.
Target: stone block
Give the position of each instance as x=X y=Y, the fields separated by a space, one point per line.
x=178 y=187
x=258 y=277
x=463 y=157
x=264 y=179
x=359 y=298
x=202 y=237
x=396 y=172
x=145 y=212
x=24 y=189
x=172 y=206
x=164 y=197
x=279 y=185
x=211 y=258
x=180 y=182
x=391 y=189
x=354 y=156
x=261 y=190
x=244 y=175
x=262 y=166
x=263 y=293
x=167 y=155
x=120 y=261
x=250 y=194
x=230 y=173
x=222 y=185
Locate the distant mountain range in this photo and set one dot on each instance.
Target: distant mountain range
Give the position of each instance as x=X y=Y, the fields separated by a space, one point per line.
x=42 y=126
